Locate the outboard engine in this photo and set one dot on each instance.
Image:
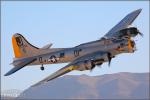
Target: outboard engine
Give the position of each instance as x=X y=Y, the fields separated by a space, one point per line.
x=129 y=32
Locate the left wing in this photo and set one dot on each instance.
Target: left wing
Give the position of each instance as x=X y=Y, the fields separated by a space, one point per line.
x=75 y=65
x=124 y=23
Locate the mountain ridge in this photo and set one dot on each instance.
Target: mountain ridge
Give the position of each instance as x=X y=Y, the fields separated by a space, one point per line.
x=123 y=85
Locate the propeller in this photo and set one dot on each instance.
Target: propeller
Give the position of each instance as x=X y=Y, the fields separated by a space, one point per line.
x=99 y=66
x=141 y=34
x=96 y=63
x=109 y=58
x=93 y=65
x=92 y=68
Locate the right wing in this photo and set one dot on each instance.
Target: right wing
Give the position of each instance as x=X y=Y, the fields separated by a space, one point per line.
x=58 y=73
x=124 y=23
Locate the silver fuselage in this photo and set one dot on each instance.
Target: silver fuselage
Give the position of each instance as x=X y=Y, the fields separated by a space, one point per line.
x=64 y=55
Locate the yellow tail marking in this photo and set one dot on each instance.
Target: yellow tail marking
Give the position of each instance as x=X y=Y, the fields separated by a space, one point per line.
x=16 y=48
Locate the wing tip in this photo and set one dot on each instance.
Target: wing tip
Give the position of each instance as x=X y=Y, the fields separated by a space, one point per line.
x=37 y=84
x=139 y=10
x=10 y=72
x=135 y=12
x=7 y=74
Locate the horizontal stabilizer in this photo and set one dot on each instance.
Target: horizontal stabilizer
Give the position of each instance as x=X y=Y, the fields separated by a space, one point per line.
x=20 y=64
x=48 y=46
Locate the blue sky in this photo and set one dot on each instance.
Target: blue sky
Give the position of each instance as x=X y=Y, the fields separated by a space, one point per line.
x=67 y=24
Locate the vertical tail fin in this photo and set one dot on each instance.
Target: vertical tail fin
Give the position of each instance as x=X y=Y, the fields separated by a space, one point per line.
x=21 y=47
x=22 y=50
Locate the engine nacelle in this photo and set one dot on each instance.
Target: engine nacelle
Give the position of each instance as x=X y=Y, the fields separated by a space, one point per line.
x=131 y=31
x=96 y=59
x=85 y=65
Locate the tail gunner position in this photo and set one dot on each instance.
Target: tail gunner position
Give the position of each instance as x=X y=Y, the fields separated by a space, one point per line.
x=82 y=57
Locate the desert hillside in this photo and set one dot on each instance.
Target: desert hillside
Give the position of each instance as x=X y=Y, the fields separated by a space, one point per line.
x=109 y=86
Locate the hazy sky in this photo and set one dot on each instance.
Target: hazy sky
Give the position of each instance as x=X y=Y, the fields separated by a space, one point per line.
x=67 y=24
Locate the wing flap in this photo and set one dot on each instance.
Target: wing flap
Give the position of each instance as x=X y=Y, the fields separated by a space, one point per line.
x=48 y=46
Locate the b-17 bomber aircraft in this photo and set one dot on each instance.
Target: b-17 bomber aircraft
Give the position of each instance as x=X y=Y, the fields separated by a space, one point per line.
x=82 y=57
